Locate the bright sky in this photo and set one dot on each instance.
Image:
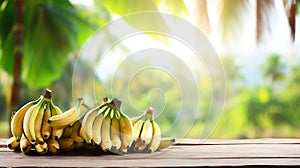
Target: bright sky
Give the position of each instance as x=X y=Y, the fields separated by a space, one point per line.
x=244 y=46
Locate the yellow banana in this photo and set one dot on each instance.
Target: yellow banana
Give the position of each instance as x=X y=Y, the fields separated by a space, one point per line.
x=41 y=148
x=67 y=132
x=126 y=131
x=105 y=134
x=17 y=120
x=38 y=123
x=66 y=144
x=25 y=145
x=68 y=117
x=115 y=134
x=156 y=137
x=53 y=146
x=137 y=129
x=165 y=143
x=147 y=132
x=46 y=128
x=56 y=131
x=97 y=128
x=29 y=121
x=87 y=124
x=78 y=141
x=12 y=143
x=75 y=129
x=83 y=134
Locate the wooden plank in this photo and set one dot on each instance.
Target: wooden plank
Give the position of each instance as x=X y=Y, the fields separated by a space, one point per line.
x=191 y=141
x=189 y=152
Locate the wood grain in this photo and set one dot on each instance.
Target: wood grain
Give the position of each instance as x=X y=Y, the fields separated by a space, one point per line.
x=186 y=152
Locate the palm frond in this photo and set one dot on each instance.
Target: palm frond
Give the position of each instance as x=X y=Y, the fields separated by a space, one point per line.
x=290 y=9
x=202 y=16
x=231 y=16
x=263 y=9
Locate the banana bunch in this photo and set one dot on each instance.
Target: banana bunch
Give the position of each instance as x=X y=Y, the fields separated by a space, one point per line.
x=146 y=133
x=106 y=126
x=30 y=127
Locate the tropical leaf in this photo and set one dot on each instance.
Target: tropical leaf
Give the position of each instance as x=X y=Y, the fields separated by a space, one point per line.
x=142 y=21
x=291 y=9
x=263 y=9
x=231 y=12
x=202 y=16
x=7 y=18
x=52 y=30
x=176 y=7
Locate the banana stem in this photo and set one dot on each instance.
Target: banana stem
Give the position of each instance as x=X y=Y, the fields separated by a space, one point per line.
x=85 y=105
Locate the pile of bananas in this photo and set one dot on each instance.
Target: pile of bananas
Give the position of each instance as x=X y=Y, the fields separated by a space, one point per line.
x=147 y=134
x=40 y=126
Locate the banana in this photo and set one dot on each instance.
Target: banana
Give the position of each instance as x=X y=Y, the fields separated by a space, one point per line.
x=12 y=143
x=56 y=131
x=25 y=145
x=46 y=128
x=41 y=148
x=66 y=144
x=75 y=129
x=78 y=141
x=137 y=129
x=53 y=146
x=147 y=131
x=165 y=143
x=97 y=126
x=126 y=131
x=87 y=124
x=38 y=123
x=156 y=137
x=17 y=120
x=29 y=121
x=67 y=132
x=105 y=134
x=115 y=134
x=68 y=117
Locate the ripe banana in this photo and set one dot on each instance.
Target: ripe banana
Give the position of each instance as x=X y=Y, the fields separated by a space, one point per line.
x=41 y=148
x=38 y=123
x=106 y=143
x=29 y=121
x=147 y=133
x=68 y=117
x=56 y=131
x=53 y=146
x=25 y=145
x=126 y=131
x=115 y=134
x=66 y=144
x=86 y=131
x=46 y=128
x=96 y=128
x=17 y=120
x=156 y=139
x=12 y=143
x=165 y=143
x=67 y=132
x=78 y=142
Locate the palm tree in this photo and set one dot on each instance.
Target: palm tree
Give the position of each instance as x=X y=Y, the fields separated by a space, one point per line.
x=36 y=38
x=273 y=69
x=231 y=12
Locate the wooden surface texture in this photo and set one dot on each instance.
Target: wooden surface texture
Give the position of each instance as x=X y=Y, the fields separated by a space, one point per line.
x=185 y=152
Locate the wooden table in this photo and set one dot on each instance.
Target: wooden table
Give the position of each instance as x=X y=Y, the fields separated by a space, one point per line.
x=186 y=152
